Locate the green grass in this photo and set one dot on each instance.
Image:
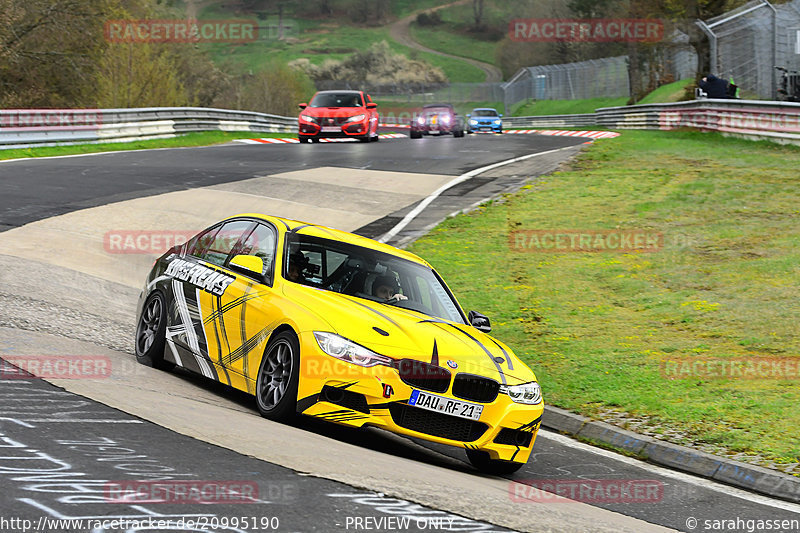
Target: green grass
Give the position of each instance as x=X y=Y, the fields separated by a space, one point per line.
x=595 y=327
x=446 y=39
x=567 y=107
x=321 y=40
x=188 y=139
x=671 y=92
x=401 y=8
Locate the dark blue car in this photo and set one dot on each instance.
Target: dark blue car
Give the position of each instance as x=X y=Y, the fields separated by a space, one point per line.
x=484 y=119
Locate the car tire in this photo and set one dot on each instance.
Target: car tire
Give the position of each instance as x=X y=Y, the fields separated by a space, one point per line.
x=487 y=465
x=415 y=135
x=302 y=139
x=278 y=376
x=314 y=139
x=458 y=133
x=151 y=330
x=376 y=138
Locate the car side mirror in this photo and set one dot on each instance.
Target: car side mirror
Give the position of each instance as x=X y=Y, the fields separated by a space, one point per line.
x=468 y=115
x=302 y=106
x=501 y=115
x=372 y=105
x=479 y=321
x=249 y=265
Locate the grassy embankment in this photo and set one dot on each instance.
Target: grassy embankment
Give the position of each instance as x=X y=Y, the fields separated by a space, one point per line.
x=672 y=92
x=319 y=40
x=596 y=326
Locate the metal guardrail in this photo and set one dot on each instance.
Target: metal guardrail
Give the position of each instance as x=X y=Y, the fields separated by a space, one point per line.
x=751 y=119
x=551 y=121
x=25 y=128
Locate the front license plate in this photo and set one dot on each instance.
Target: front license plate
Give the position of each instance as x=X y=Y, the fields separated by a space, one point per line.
x=448 y=406
x=433 y=131
x=331 y=129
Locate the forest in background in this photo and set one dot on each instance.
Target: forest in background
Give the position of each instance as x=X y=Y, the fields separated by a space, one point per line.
x=54 y=53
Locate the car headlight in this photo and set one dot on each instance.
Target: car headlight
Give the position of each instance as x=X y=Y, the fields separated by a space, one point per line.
x=346 y=350
x=446 y=119
x=473 y=122
x=498 y=121
x=421 y=120
x=356 y=118
x=307 y=118
x=527 y=393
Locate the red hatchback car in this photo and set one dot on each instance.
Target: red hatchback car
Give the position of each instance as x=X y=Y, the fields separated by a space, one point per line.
x=332 y=114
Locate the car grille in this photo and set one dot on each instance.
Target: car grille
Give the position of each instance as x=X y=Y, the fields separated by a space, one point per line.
x=436 y=424
x=333 y=121
x=475 y=388
x=423 y=375
x=514 y=437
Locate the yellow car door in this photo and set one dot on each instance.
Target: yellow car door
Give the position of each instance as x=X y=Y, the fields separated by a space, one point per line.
x=238 y=323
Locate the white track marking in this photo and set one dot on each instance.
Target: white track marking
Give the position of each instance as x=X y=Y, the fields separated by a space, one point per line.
x=680 y=476
x=435 y=194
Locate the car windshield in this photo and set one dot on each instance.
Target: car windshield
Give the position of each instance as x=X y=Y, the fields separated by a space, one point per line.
x=484 y=113
x=437 y=111
x=336 y=100
x=366 y=273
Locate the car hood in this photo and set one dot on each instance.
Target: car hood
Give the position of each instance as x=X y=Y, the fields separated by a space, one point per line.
x=333 y=111
x=485 y=119
x=402 y=333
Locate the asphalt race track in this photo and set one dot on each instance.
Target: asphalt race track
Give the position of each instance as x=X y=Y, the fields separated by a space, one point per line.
x=64 y=444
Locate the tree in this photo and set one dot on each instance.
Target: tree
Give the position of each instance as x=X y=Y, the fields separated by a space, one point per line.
x=685 y=13
x=477 y=14
x=48 y=51
x=277 y=89
x=138 y=75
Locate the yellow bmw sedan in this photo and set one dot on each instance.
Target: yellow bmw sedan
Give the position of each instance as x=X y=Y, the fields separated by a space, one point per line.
x=319 y=322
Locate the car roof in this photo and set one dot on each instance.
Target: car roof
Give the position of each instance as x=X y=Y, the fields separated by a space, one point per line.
x=343 y=91
x=485 y=109
x=437 y=105
x=324 y=232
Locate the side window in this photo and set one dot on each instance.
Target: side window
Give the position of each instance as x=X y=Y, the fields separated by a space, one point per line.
x=224 y=240
x=198 y=244
x=260 y=243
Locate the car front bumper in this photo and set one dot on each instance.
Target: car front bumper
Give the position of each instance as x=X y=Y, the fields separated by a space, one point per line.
x=351 y=129
x=356 y=396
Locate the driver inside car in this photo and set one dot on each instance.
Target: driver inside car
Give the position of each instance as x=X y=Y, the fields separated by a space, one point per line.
x=297 y=263
x=386 y=288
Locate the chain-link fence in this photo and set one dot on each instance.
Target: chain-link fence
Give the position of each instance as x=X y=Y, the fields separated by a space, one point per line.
x=607 y=77
x=748 y=42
